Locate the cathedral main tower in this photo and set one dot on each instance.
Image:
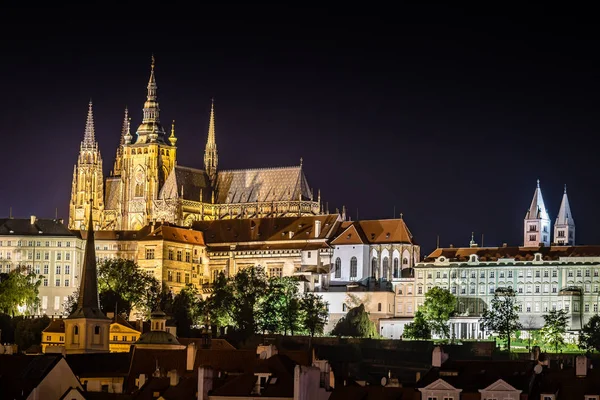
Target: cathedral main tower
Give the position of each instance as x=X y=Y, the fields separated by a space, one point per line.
x=88 y=181
x=147 y=160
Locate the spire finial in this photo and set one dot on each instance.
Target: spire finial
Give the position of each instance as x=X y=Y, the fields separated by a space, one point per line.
x=401 y=216
x=565 y=189
x=89 y=135
x=172 y=138
x=211 y=156
x=538 y=183
x=153 y=61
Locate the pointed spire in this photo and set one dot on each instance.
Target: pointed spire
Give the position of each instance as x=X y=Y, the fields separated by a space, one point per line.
x=89 y=137
x=564 y=213
x=88 y=304
x=211 y=156
x=125 y=129
x=172 y=138
x=537 y=209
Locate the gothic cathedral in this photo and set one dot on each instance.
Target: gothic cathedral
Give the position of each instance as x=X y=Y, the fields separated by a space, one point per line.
x=146 y=184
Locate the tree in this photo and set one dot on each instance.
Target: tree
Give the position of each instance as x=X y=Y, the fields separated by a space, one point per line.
x=19 y=291
x=123 y=284
x=589 y=336
x=28 y=331
x=314 y=313
x=356 y=323
x=502 y=317
x=439 y=306
x=70 y=304
x=418 y=329
x=554 y=329
x=186 y=310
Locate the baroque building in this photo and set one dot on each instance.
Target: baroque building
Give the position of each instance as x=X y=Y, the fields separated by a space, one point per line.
x=146 y=183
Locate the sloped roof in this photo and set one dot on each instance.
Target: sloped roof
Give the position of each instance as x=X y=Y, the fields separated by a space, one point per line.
x=176 y=234
x=564 y=216
x=519 y=253
x=99 y=364
x=20 y=374
x=378 y=231
x=266 y=229
x=261 y=185
x=191 y=181
x=112 y=190
x=55 y=326
x=537 y=209
x=41 y=227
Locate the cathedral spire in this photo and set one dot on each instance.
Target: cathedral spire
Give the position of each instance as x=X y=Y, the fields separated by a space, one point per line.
x=124 y=132
x=211 y=158
x=125 y=128
x=89 y=137
x=150 y=129
x=88 y=305
x=564 y=227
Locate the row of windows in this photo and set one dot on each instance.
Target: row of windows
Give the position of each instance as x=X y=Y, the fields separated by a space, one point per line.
x=178 y=277
x=57 y=282
x=38 y=255
x=115 y=338
x=509 y=274
x=32 y=243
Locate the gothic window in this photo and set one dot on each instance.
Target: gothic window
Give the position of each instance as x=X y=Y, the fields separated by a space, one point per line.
x=139 y=190
x=353 y=267
x=405 y=261
x=75 y=330
x=396 y=269
x=374 y=267
x=386 y=268
x=338 y=268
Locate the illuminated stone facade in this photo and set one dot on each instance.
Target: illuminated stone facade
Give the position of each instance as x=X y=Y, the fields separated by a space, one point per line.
x=146 y=184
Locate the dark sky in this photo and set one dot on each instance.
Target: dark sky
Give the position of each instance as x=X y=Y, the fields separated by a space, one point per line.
x=447 y=115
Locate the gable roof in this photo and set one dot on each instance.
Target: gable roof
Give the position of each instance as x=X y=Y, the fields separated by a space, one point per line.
x=378 y=231
x=261 y=185
x=40 y=227
x=20 y=374
x=186 y=183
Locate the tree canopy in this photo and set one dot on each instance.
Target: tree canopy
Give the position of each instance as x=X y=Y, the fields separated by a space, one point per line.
x=554 y=329
x=501 y=316
x=589 y=336
x=356 y=323
x=418 y=329
x=314 y=313
x=19 y=288
x=439 y=306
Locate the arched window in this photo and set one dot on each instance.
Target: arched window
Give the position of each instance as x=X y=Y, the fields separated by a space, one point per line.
x=338 y=268
x=386 y=268
x=396 y=269
x=96 y=330
x=139 y=190
x=353 y=267
x=75 y=330
x=405 y=261
x=374 y=268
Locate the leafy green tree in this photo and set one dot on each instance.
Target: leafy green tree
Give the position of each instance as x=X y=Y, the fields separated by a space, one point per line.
x=289 y=303
x=554 y=329
x=186 y=310
x=19 y=288
x=237 y=300
x=418 y=329
x=356 y=323
x=219 y=307
x=70 y=304
x=589 y=336
x=123 y=284
x=439 y=306
x=28 y=331
x=314 y=313
x=501 y=317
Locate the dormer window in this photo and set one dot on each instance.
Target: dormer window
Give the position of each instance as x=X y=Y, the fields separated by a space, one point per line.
x=442 y=259
x=349 y=236
x=473 y=258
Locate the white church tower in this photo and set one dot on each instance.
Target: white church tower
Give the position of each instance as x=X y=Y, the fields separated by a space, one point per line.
x=564 y=228
x=537 y=222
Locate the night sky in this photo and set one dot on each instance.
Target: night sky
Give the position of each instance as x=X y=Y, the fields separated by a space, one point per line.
x=448 y=116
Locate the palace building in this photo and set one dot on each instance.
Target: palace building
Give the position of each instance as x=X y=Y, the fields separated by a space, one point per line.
x=147 y=185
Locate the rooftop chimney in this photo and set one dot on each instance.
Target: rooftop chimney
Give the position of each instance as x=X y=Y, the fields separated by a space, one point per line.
x=174 y=377
x=32 y=219
x=191 y=356
x=317 y=228
x=581 y=366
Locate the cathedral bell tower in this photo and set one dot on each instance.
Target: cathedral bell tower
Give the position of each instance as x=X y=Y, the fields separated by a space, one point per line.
x=88 y=181
x=564 y=227
x=537 y=222
x=148 y=157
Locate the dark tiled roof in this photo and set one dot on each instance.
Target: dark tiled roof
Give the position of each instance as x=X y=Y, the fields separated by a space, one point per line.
x=354 y=391
x=55 y=326
x=549 y=253
x=99 y=364
x=215 y=344
x=190 y=181
x=261 y=185
x=566 y=383
x=20 y=374
x=260 y=247
x=176 y=234
x=145 y=361
x=266 y=229
x=41 y=227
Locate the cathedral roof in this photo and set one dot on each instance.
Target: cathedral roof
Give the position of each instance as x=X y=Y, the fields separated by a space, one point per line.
x=261 y=185
x=564 y=213
x=267 y=229
x=186 y=183
x=376 y=231
x=112 y=192
x=40 y=227
x=537 y=209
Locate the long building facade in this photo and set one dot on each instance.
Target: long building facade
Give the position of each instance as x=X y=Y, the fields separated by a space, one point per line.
x=147 y=185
